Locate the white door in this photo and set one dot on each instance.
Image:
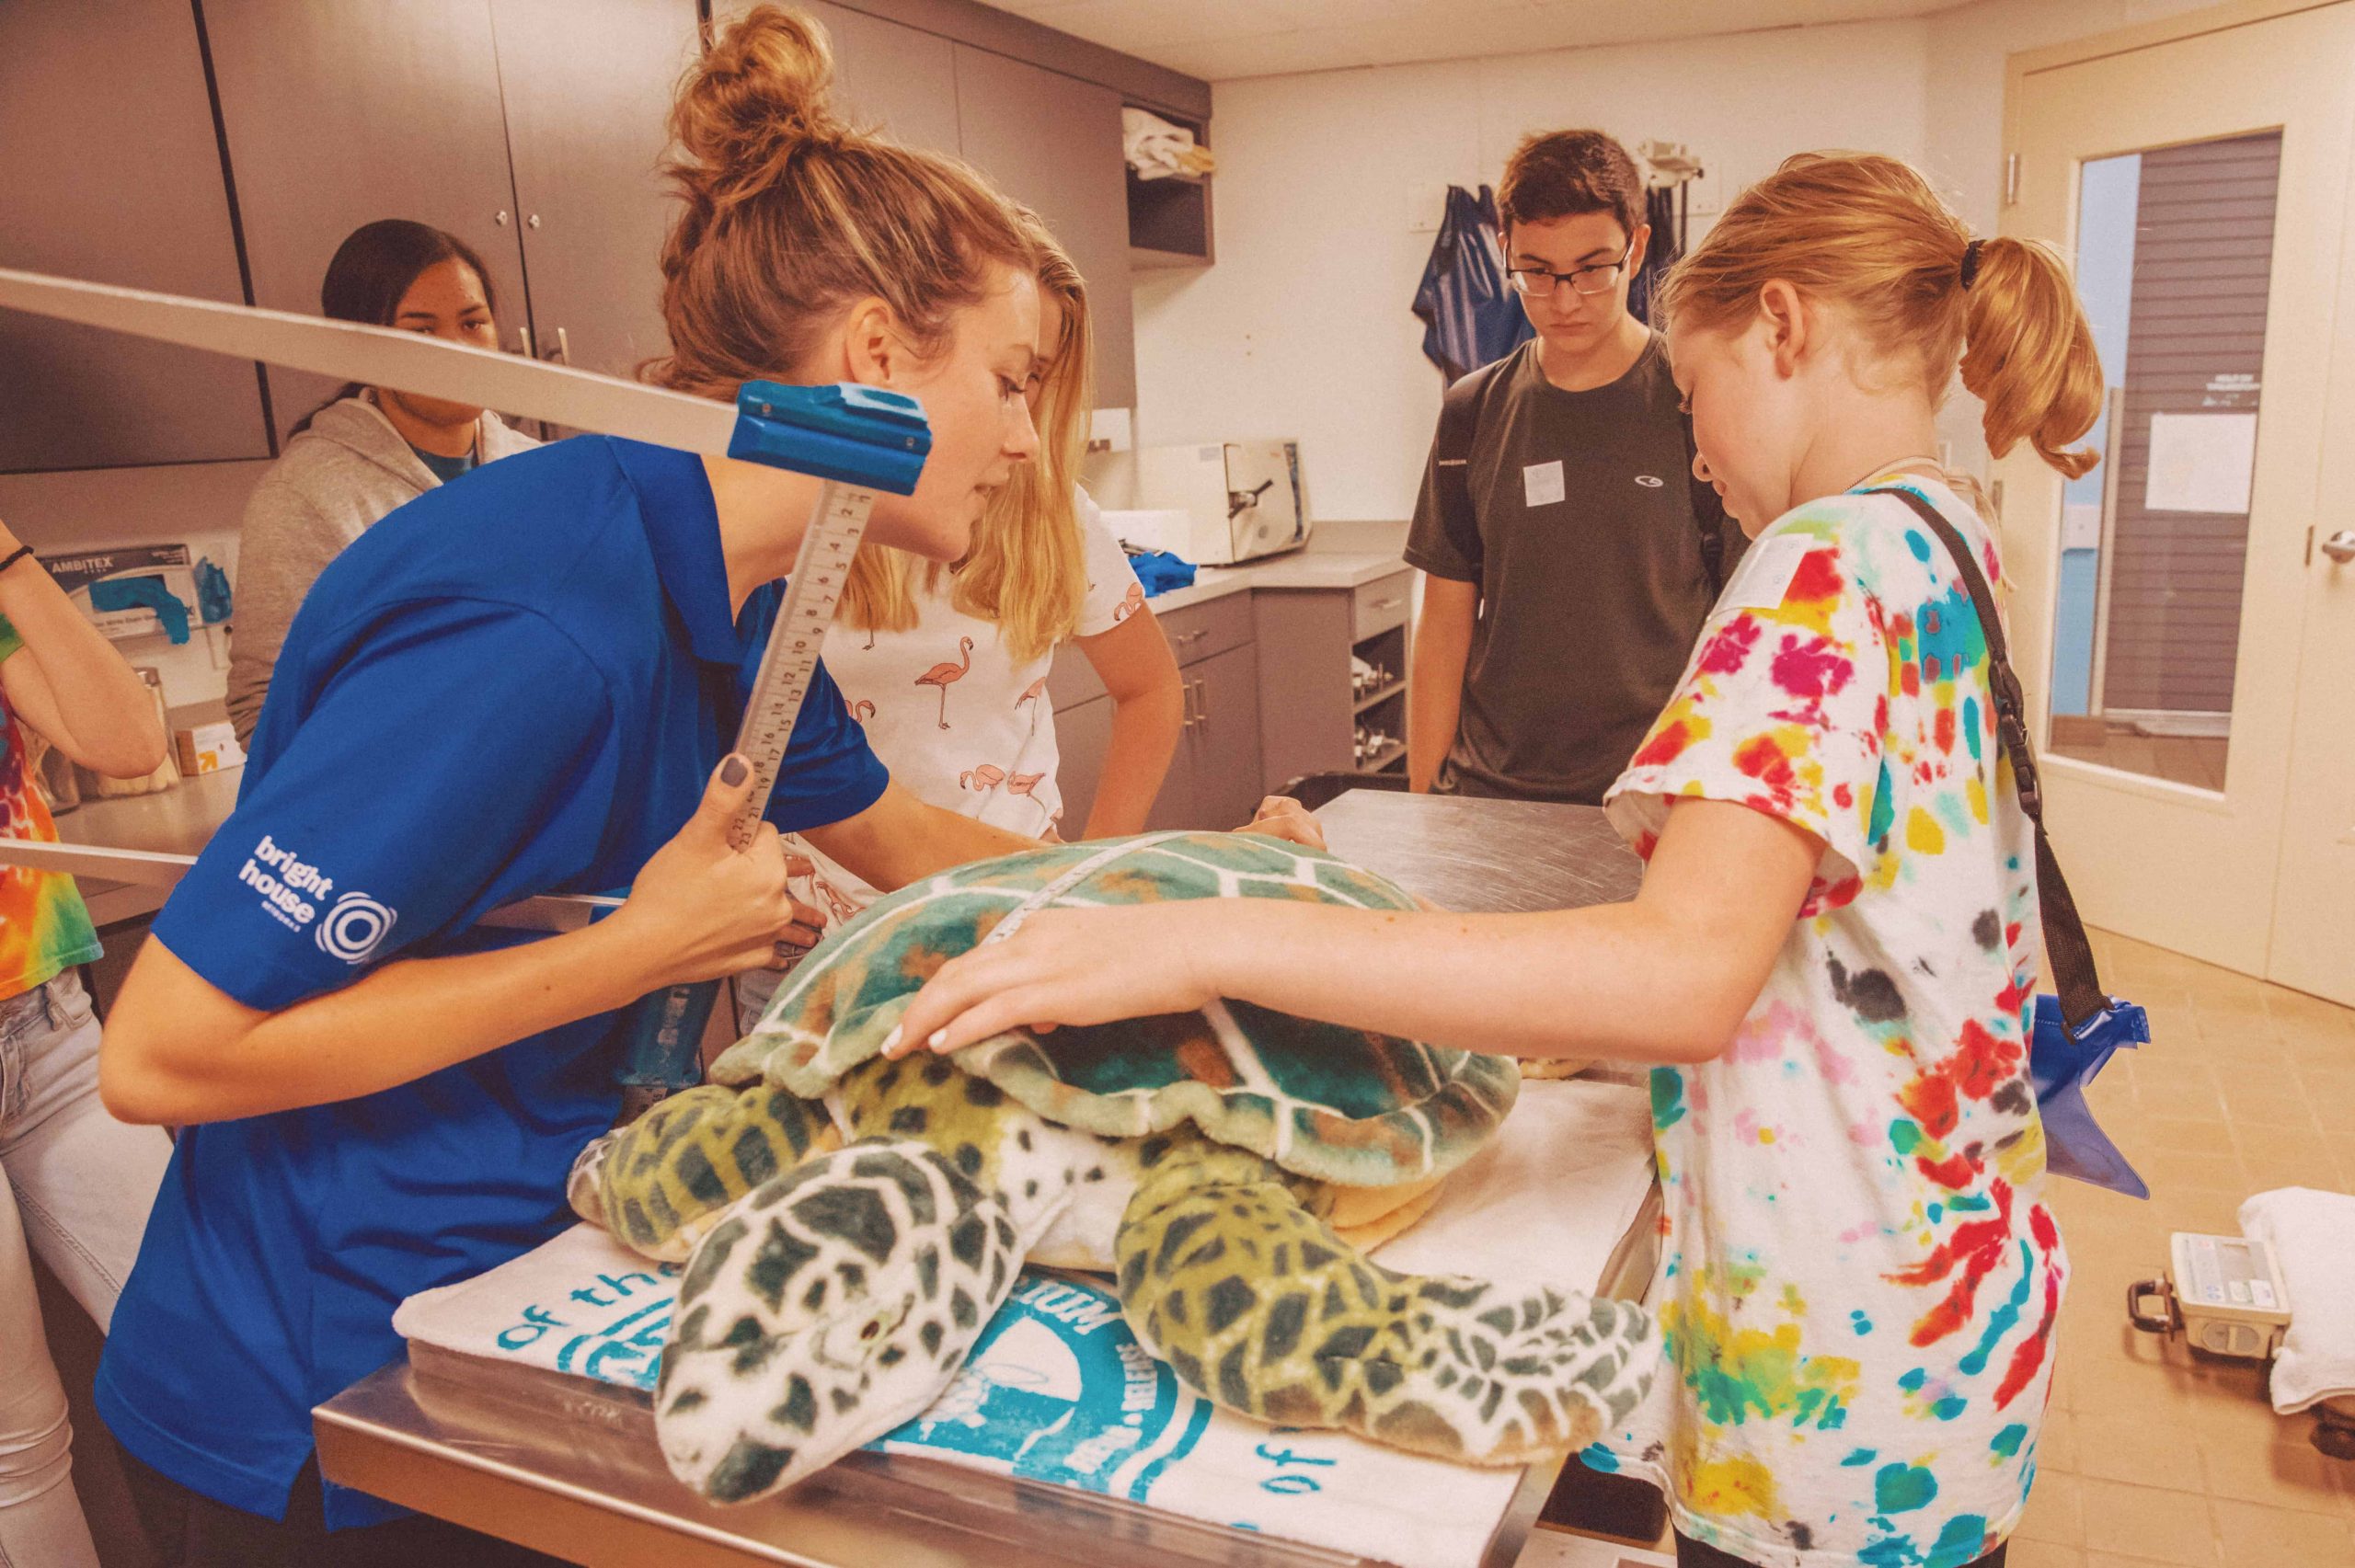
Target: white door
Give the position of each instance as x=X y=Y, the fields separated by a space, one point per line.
x=2188 y=647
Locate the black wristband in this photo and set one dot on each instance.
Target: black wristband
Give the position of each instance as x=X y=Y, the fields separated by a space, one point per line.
x=19 y=553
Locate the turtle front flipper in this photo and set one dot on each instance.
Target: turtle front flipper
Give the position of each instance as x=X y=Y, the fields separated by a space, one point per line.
x=1256 y=1302
x=664 y=1180
x=833 y=1304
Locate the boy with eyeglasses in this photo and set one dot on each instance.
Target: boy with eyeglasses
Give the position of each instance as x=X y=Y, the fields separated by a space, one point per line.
x=1568 y=553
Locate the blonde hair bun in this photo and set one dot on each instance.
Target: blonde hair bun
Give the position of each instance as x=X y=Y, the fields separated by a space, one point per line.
x=788 y=216
x=765 y=84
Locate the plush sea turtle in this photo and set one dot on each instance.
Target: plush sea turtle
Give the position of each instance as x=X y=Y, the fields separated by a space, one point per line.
x=1222 y=1164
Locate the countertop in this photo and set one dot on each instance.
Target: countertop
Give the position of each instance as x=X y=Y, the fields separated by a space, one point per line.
x=1301 y=568
x=174 y=821
x=179 y=820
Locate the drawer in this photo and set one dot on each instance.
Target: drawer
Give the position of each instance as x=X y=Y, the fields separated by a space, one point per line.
x=1196 y=633
x=1381 y=604
x=1200 y=630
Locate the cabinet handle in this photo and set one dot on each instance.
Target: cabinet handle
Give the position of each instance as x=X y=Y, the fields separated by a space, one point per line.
x=501 y=219
x=1202 y=700
x=533 y=221
x=1186 y=704
x=563 y=355
x=524 y=343
x=1193 y=636
x=1393 y=602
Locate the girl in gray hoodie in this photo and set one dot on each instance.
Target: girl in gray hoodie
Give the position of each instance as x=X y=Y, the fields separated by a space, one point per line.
x=370 y=448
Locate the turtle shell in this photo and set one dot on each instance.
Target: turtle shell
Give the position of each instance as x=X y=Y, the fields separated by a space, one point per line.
x=1333 y=1103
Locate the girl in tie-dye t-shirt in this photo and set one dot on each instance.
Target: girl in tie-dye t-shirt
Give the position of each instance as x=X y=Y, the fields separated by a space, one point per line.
x=75 y=1184
x=1833 y=948
x=1861 y=1278
x=44 y=928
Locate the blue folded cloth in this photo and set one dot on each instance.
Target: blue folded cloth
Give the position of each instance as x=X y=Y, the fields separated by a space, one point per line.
x=1160 y=571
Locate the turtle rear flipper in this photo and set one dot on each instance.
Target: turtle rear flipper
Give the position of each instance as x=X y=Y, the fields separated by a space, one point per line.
x=664 y=1180
x=1258 y=1304
x=833 y=1304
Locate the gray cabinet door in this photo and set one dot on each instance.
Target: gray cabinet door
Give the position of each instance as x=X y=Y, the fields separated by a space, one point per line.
x=587 y=92
x=1176 y=806
x=1054 y=142
x=109 y=171
x=1225 y=738
x=887 y=76
x=1083 y=737
x=1304 y=698
x=339 y=113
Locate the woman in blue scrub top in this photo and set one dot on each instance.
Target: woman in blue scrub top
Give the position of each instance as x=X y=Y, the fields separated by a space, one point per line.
x=524 y=683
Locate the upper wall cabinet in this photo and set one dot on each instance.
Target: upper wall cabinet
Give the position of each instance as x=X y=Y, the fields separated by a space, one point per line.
x=109 y=170
x=895 y=79
x=340 y=112
x=1054 y=142
x=588 y=94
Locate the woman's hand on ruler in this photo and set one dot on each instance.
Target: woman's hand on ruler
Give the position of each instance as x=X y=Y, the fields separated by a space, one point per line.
x=708 y=910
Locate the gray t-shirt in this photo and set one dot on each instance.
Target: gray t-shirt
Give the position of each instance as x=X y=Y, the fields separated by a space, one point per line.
x=1593 y=584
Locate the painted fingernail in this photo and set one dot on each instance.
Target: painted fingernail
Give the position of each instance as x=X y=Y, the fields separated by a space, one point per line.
x=939 y=1038
x=892 y=1042
x=734 y=771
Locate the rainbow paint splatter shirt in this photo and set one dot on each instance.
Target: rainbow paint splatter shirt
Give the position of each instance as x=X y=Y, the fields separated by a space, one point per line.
x=43 y=926
x=1860 y=1278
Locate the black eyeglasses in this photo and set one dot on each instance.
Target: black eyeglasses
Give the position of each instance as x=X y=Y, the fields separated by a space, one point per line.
x=1540 y=282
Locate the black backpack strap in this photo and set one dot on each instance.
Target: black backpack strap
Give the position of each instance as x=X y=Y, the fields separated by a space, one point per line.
x=2081 y=998
x=1459 y=426
x=1708 y=515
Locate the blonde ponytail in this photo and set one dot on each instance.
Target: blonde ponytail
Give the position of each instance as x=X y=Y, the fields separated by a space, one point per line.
x=1869 y=233
x=2028 y=354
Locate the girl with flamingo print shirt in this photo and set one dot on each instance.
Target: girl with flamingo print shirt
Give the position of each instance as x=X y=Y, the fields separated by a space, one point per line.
x=949 y=678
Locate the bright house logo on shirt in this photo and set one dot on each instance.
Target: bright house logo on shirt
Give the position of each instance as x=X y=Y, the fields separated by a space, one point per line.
x=356 y=924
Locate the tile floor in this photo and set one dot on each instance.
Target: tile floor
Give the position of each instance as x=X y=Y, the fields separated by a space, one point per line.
x=2151 y=1459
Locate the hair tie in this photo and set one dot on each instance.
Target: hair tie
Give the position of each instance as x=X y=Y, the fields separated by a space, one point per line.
x=1971 y=262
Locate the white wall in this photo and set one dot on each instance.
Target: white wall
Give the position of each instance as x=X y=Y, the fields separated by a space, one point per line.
x=1302 y=327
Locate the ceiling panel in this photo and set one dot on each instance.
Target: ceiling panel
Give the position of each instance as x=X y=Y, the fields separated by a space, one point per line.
x=1224 y=40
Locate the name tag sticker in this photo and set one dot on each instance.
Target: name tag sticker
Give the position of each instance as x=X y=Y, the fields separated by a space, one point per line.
x=1541 y=484
x=1766 y=573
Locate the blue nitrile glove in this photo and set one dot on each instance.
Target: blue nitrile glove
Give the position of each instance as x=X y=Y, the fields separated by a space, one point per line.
x=2060 y=1064
x=142 y=593
x=213 y=601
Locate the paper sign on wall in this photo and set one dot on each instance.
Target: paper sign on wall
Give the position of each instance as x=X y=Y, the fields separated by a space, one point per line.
x=2202 y=463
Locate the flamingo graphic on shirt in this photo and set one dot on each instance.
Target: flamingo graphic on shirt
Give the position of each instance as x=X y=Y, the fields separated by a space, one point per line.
x=1130 y=602
x=989 y=775
x=1032 y=693
x=862 y=710
x=1024 y=784
x=800 y=869
x=943 y=676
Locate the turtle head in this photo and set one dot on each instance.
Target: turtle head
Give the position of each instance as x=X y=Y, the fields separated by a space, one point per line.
x=832 y=1305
